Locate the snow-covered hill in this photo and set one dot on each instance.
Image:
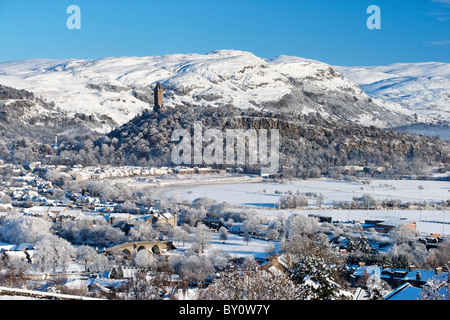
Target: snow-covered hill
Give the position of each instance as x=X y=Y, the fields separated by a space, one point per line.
x=122 y=87
x=421 y=87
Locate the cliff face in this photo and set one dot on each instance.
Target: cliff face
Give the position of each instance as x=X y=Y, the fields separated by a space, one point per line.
x=306 y=141
x=361 y=138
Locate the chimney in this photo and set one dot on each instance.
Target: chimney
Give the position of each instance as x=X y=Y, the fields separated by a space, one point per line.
x=438 y=270
x=412 y=267
x=418 y=276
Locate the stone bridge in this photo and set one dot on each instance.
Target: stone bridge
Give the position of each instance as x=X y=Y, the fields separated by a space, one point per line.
x=155 y=247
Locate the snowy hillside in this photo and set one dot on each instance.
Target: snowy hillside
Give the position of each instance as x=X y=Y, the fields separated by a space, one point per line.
x=421 y=87
x=122 y=87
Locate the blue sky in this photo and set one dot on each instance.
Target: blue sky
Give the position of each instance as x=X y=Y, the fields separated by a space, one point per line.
x=332 y=31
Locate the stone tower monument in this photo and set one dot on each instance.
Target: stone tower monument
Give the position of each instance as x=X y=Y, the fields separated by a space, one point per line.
x=158 y=98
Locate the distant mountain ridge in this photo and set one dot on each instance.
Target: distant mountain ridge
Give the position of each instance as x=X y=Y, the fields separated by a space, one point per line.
x=421 y=87
x=122 y=87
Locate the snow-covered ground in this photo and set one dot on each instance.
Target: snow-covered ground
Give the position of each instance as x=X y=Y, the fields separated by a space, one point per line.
x=262 y=197
x=115 y=85
x=235 y=246
x=263 y=194
x=422 y=87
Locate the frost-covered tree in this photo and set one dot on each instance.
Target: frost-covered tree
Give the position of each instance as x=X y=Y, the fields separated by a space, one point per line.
x=17 y=228
x=403 y=233
x=317 y=245
x=318 y=278
x=293 y=201
x=272 y=234
x=358 y=244
x=223 y=234
x=52 y=252
x=143 y=231
x=435 y=289
x=202 y=238
x=192 y=215
x=82 y=232
x=439 y=256
x=58 y=178
x=88 y=255
x=374 y=287
x=179 y=234
x=196 y=268
x=252 y=284
x=254 y=225
x=404 y=254
x=218 y=258
x=144 y=259
x=116 y=273
x=270 y=249
x=140 y=287
x=247 y=237
x=320 y=200
x=298 y=225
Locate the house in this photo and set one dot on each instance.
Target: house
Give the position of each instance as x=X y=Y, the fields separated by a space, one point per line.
x=37 y=211
x=22 y=251
x=394 y=277
x=6 y=207
x=98 y=176
x=404 y=292
x=419 y=277
x=410 y=292
x=68 y=214
x=281 y=262
x=203 y=170
x=385 y=226
x=364 y=270
x=92 y=219
x=86 y=200
x=81 y=176
x=31 y=165
x=398 y=277
x=55 y=211
x=165 y=217
x=184 y=170
x=213 y=223
x=114 y=217
x=3 y=216
x=276 y=262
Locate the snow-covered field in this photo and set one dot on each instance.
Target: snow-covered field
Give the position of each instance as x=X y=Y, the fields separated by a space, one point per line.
x=263 y=194
x=262 y=197
x=427 y=221
x=235 y=246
